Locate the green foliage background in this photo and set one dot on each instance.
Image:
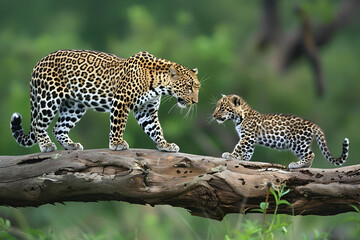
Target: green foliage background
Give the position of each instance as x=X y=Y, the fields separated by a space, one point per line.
x=217 y=37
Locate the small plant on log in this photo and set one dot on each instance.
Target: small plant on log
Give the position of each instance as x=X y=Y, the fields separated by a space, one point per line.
x=277 y=224
x=268 y=228
x=278 y=192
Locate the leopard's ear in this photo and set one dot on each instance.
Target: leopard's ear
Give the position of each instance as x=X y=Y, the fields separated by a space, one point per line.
x=141 y=54
x=235 y=100
x=195 y=70
x=173 y=72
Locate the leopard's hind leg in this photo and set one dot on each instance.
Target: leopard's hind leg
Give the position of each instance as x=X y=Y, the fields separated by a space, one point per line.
x=70 y=113
x=300 y=145
x=304 y=162
x=46 y=113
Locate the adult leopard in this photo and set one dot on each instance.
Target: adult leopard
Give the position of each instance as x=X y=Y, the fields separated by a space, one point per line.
x=72 y=81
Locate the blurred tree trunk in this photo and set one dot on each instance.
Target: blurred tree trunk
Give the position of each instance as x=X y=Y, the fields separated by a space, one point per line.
x=205 y=186
x=304 y=40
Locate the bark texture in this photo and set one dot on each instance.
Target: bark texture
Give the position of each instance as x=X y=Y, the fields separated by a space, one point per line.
x=205 y=186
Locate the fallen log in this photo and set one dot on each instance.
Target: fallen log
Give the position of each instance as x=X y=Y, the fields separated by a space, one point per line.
x=205 y=186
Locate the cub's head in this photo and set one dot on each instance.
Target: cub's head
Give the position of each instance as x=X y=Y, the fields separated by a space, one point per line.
x=184 y=84
x=230 y=107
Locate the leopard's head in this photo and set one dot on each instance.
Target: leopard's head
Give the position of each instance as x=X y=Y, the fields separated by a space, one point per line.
x=184 y=84
x=230 y=107
x=178 y=80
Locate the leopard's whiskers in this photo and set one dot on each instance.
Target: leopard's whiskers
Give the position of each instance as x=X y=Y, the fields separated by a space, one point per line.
x=195 y=110
x=204 y=78
x=213 y=100
x=166 y=98
x=190 y=111
x=172 y=108
x=210 y=119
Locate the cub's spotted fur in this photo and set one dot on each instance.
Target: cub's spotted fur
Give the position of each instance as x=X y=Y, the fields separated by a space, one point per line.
x=273 y=130
x=69 y=82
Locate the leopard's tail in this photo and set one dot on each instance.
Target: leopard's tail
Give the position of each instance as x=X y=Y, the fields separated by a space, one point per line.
x=25 y=140
x=320 y=138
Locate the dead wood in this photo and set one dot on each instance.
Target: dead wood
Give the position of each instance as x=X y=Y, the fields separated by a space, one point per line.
x=205 y=186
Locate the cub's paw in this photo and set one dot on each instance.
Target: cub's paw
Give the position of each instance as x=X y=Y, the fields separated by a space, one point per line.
x=228 y=155
x=74 y=146
x=49 y=147
x=168 y=147
x=118 y=146
x=295 y=165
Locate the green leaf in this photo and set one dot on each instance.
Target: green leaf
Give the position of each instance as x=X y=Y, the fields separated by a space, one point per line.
x=257 y=210
x=284 y=202
x=355 y=207
x=286 y=192
x=275 y=195
x=4 y=225
x=264 y=205
x=7 y=224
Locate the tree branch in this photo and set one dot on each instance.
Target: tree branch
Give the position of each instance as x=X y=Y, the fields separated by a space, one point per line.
x=305 y=40
x=270 y=31
x=292 y=43
x=311 y=51
x=205 y=186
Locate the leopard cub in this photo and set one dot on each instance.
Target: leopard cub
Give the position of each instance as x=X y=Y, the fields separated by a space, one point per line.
x=278 y=131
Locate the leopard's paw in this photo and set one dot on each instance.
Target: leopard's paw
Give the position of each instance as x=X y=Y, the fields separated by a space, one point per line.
x=118 y=146
x=49 y=147
x=299 y=164
x=73 y=146
x=168 y=147
x=228 y=155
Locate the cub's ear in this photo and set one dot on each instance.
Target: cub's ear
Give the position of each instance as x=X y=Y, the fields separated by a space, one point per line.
x=174 y=73
x=235 y=100
x=195 y=70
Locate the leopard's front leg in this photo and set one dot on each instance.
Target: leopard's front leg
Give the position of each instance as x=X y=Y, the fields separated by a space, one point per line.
x=243 y=150
x=147 y=117
x=118 y=116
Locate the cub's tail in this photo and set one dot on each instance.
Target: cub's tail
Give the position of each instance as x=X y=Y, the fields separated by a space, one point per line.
x=320 y=138
x=25 y=140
